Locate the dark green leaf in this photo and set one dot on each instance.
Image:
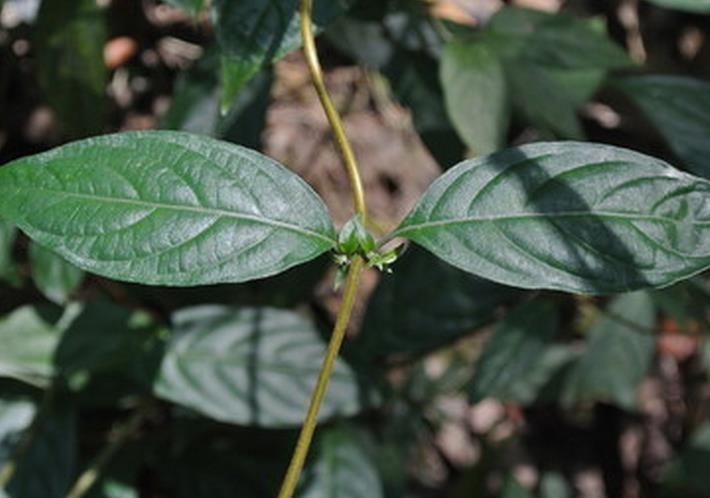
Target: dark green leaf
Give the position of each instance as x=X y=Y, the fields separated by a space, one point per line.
x=520 y=357
x=570 y=216
x=253 y=33
x=701 y=6
x=679 y=108
x=195 y=105
x=340 y=468
x=7 y=242
x=55 y=277
x=354 y=237
x=166 y=208
x=70 y=38
x=687 y=476
x=513 y=489
x=619 y=354
x=442 y=303
x=250 y=366
x=477 y=97
x=47 y=469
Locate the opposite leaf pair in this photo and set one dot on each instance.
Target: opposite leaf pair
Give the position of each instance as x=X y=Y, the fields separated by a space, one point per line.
x=170 y=208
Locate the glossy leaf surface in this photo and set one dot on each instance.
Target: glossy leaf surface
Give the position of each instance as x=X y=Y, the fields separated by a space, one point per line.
x=252 y=366
x=166 y=208
x=569 y=216
x=679 y=108
x=55 y=277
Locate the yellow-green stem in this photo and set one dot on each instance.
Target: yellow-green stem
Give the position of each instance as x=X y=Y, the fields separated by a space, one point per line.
x=346 y=151
x=336 y=340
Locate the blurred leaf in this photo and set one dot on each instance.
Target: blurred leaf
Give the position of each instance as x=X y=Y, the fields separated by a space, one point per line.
x=16 y=415
x=251 y=366
x=425 y=304
x=8 y=233
x=55 y=277
x=477 y=97
x=687 y=476
x=701 y=6
x=70 y=37
x=166 y=207
x=679 y=108
x=29 y=337
x=685 y=302
x=192 y=7
x=513 y=489
x=47 y=469
x=620 y=349
x=577 y=217
x=195 y=106
x=520 y=356
x=253 y=33
x=554 y=485
x=340 y=468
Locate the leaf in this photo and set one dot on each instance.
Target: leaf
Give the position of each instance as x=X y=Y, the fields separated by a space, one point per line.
x=513 y=489
x=29 y=337
x=192 y=7
x=620 y=350
x=166 y=208
x=521 y=356
x=441 y=304
x=340 y=468
x=7 y=242
x=70 y=37
x=678 y=107
x=687 y=475
x=554 y=485
x=569 y=216
x=477 y=98
x=56 y=278
x=195 y=106
x=253 y=33
x=250 y=366
x=701 y=6
x=47 y=469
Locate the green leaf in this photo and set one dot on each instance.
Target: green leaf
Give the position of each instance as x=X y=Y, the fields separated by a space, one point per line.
x=701 y=6
x=340 y=468
x=252 y=366
x=513 y=489
x=29 y=337
x=195 y=105
x=570 y=216
x=618 y=356
x=56 y=278
x=554 y=485
x=476 y=94
x=520 y=357
x=166 y=208
x=354 y=238
x=678 y=107
x=47 y=469
x=192 y=7
x=8 y=233
x=687 y=475
x=442 y=303
x=253 y=33
x=70 y=37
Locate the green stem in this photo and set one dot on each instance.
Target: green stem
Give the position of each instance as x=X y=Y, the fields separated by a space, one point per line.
x=117 y=439
x=352 y=282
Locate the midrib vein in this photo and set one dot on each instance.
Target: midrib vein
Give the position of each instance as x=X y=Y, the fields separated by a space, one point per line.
x=192 y=209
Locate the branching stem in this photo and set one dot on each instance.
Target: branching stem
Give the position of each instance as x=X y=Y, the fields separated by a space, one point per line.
x=305 y=438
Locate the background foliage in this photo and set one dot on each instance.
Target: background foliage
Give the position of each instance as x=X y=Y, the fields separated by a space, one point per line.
x=450 y=385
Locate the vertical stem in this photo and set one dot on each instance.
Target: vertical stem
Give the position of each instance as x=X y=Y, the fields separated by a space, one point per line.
x=356 y=266
x=336 y=340
x=346 y=151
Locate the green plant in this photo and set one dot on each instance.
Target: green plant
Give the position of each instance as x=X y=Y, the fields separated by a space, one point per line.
x=176 y=209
